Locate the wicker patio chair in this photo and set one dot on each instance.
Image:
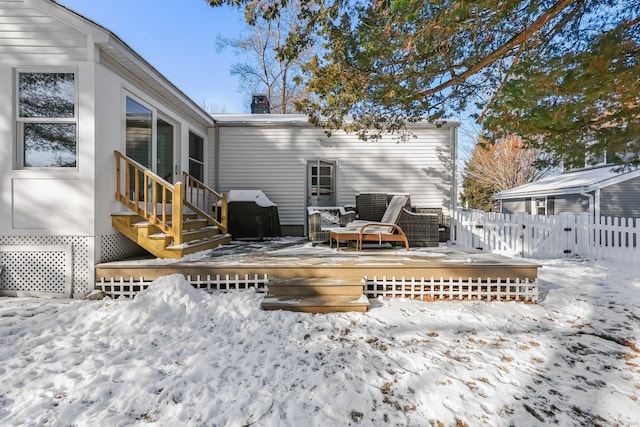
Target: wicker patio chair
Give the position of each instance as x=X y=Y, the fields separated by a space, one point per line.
x=422 y=229
x=444 y=222
x=371 y=206
x=386 y=230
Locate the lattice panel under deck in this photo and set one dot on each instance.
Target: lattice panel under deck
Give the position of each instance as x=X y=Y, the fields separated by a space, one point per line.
x=129 y=287
x=80 y=264
x=36 y=270
x=116 y=247
x=449 y=289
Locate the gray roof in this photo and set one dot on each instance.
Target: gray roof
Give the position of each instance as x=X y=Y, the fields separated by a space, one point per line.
x=247 y=119
x=572 y=182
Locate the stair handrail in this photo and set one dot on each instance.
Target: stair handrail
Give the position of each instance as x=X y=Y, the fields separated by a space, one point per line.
x=199 y=197
x=165 y=199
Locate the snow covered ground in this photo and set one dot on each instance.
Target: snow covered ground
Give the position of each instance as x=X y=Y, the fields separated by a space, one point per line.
x=177 y=356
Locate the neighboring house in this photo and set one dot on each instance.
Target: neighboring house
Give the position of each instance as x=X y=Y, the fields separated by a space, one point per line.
x=75 y=93
x=599 y=191
x=297 y=165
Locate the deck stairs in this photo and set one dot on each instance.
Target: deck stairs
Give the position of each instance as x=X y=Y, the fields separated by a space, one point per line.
x=168 y=220
x=197 y=235
x=315 y=295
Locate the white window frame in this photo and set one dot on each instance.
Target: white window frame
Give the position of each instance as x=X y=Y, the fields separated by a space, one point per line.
x=540 y=203
x=21 y=121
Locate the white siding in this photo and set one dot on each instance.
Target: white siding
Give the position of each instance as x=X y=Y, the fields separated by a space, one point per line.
x=273 y=158
x=28 y=34
x=33 y=39
x=110 y=134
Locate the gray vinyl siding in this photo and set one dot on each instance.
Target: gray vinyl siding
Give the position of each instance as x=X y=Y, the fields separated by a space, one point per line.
x=621 y=200
x=512 y=206
x=574 y=203
x=273 y=158
x=29 y=35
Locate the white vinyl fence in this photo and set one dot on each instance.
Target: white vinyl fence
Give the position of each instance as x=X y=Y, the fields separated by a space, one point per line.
x=541 y=236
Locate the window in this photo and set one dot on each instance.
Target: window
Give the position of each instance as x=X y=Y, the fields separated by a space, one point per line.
x=196 y=156
x=544 y=206
x=322 y=179
x=150 y=139
x=139 y=133
x=47 y=120
x=321 y=183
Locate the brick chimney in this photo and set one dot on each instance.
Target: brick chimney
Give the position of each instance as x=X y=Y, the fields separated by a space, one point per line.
x=260 y=104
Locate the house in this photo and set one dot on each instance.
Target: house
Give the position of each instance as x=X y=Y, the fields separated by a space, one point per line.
x=74 y=92
x=89 y=119
x=600 y=191
x=297 y=165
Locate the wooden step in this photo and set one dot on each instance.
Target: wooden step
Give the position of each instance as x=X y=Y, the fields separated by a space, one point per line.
x=194 y=246
x=154 y=240
x=200 y=233
x=319 y=304
x=312 y=287
x=192 y=224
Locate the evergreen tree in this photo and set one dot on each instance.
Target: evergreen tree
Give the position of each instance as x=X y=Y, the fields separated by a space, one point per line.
x=475 y=194
x=560 y=73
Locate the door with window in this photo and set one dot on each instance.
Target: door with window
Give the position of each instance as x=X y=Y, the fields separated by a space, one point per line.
x=151 y=140
x=321 y=183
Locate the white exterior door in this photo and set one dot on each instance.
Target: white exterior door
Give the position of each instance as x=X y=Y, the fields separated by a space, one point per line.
x=321 y=183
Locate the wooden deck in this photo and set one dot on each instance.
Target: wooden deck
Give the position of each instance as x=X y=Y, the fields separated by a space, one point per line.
x=425 y=273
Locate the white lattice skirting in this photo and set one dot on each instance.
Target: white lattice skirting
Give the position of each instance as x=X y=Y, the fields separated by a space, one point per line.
x=449 y=289
x=30 y=270
x=128 y=288
x=524 y=290
x=56 y=266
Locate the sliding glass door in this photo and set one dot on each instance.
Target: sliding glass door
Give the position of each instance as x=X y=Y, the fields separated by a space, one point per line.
x=151 y=140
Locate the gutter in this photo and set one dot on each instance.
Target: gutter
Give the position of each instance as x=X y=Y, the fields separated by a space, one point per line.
x=592 y=203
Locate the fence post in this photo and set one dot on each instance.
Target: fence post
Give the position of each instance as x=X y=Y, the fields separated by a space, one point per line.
x=224 y=213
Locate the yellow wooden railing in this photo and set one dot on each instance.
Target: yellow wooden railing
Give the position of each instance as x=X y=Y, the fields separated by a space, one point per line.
x=162 y=203
x=205 y=201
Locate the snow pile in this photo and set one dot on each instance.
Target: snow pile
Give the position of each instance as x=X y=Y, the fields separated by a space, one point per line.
x=178 y=356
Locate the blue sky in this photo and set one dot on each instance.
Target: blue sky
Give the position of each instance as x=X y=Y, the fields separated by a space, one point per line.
x=178 y=38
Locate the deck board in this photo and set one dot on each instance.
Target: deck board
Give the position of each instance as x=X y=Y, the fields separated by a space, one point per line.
x=303 y=261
